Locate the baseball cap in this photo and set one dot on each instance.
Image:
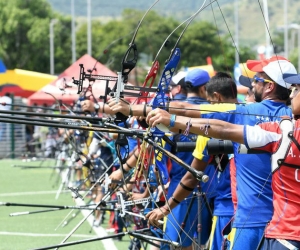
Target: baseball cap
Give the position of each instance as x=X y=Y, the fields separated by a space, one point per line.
x=274 y=67
x=246 y=81
x=292 y=78
x=197 y=77
x=178 y=77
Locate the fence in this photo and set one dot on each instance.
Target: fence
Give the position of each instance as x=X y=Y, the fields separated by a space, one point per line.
x=12 y=137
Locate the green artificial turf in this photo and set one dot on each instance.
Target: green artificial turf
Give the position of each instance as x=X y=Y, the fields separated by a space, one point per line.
x=15 y=182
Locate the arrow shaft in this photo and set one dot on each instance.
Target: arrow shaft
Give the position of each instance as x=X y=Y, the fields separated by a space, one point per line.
x=88 y=128
x=94 y=207
x=72 y=243
x=12 y=112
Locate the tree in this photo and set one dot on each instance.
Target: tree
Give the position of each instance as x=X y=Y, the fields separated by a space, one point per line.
x=24 y=40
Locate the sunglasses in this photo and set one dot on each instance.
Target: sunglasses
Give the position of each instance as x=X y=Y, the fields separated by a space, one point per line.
x=257 y=79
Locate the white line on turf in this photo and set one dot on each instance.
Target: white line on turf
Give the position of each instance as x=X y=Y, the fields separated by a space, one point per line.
x=100 y=231
x=30 y=193
x=44 y=235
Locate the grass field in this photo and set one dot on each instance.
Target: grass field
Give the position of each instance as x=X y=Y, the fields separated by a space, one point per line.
x=34 y=186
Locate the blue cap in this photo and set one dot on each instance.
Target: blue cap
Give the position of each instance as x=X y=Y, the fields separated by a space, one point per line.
x=197 y=77
x=292 y=78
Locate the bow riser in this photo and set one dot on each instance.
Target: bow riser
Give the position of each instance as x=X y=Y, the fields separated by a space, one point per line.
x=160 y=101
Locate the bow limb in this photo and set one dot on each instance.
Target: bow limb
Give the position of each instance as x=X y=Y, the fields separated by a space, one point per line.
x=143 y=99
x=128 y=65
x=148 y=82
x=163 y=87
x=159 y=100
x=104 y=199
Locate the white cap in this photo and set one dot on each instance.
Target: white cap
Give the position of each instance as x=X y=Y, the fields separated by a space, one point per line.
x=274 y=67
x=179 y=76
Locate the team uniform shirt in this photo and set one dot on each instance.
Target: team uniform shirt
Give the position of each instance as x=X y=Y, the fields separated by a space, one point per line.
x=179 y=97
x=285 y=183
x=132 y=142
x=254 y=193
x=201 y=154
x=223 y=201
x=106 y=161
x=219 y=185
x=218 y=191
x=174 y=223
x=177 y=171
x=208 y=188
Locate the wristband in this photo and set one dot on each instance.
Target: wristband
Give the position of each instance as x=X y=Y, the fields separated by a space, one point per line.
x=165 y=208
x=130 y=111
x=130 y=167
x=145 y=110
x=176 y=201
x=103 y=108
x=168 y=106
x=96 y=107
x=172 y=121
x=185 y=187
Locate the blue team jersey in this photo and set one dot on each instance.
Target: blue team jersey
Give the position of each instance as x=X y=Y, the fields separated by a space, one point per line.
x=253 y=172
x=177 y=171
x=179 y=97
x=223 y=205
x=200 y=153
x=218 y=186
x=177 y=217
x=132 y=142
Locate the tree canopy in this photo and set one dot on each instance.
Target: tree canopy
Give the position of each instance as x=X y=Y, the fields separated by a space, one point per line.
x=24 y=40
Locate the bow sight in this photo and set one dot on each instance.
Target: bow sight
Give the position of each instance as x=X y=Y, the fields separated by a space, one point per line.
x=91 y=77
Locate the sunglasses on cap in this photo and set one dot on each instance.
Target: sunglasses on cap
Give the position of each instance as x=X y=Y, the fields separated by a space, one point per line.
x=257 y=79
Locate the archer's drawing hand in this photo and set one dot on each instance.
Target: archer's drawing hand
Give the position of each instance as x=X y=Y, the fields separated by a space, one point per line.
x=159 y=192
x=116 y=176
x=121 y=106
x=157 y=214
x=137 y=196
x=87 y=105
x=158 y=116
